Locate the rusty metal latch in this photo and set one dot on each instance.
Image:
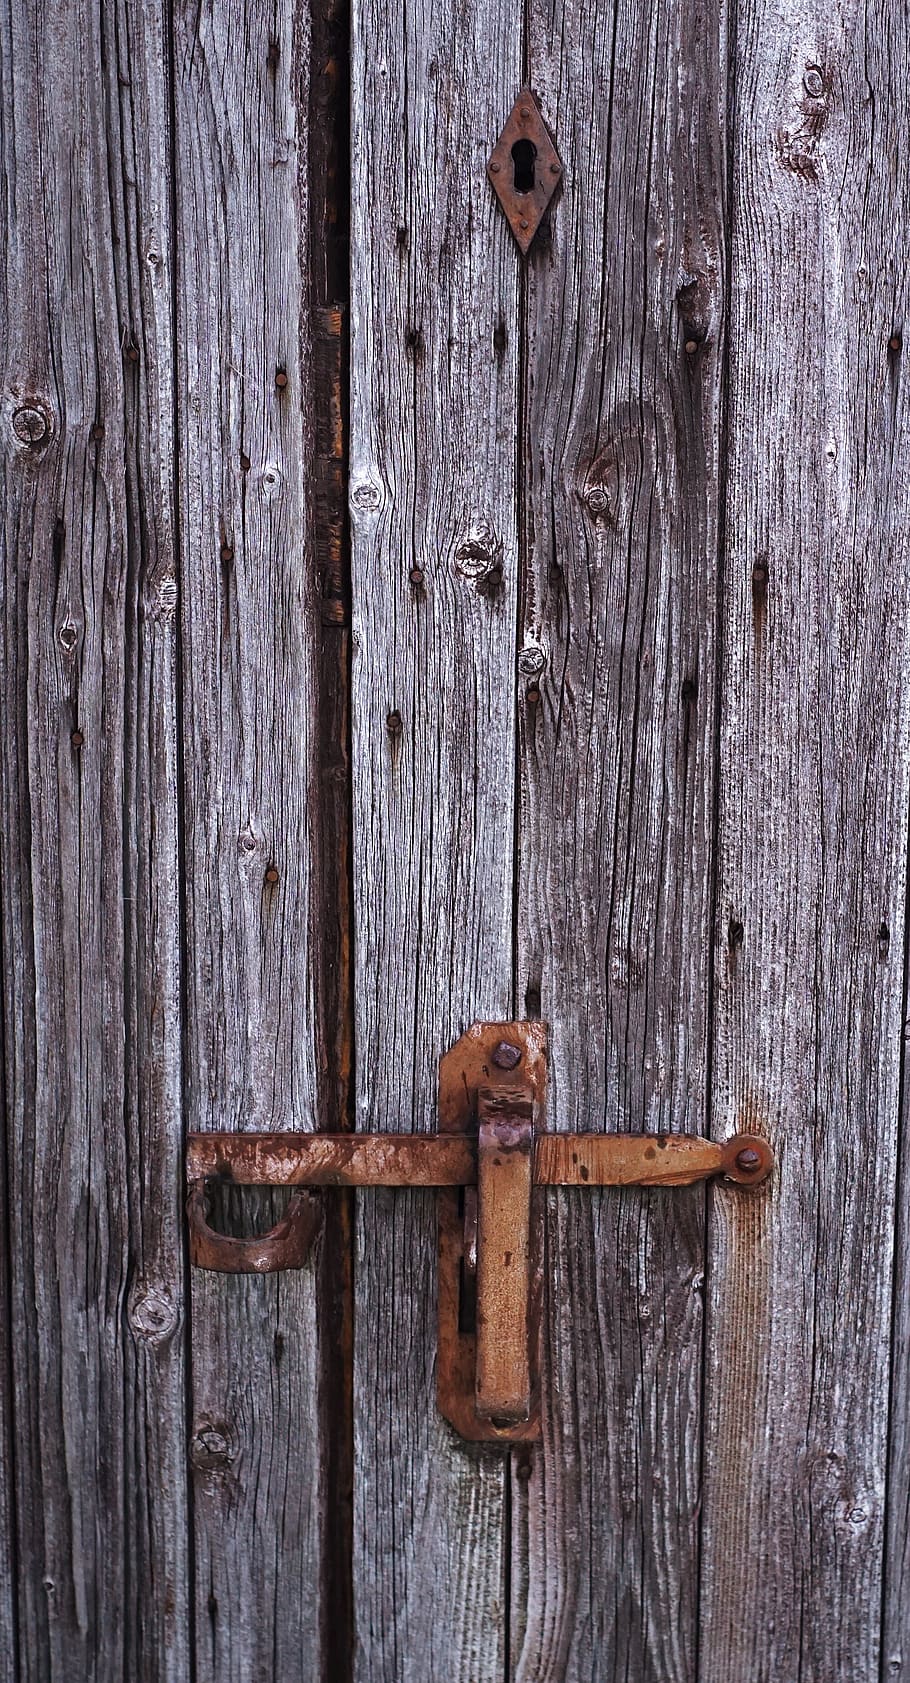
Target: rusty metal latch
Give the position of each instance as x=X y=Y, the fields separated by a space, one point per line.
x=487 y=1161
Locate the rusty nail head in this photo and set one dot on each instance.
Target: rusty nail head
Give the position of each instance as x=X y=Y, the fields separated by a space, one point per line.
x=506 y=1056
x=691 y=346
x=525 y=113
x=495 y=166
x=416 y=575
x=77 y=739
x=281 y=379
x=271 y=874
x=748 y=1160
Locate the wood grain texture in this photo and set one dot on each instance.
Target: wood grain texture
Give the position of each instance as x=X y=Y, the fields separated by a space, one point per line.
x=618 y=670
x=435 y=559
x=250 y=626
x=88 y=757
x=814 y=784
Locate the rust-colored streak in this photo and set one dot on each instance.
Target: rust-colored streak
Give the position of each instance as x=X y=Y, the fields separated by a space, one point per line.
x=333 y=1159
x=504 y=1162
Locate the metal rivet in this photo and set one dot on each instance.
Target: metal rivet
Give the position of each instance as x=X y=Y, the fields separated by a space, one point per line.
x=495 y=167
x=554 y=169
x=506 y=1056
x=524 y=224
x=748 y=1160
x=525 y=114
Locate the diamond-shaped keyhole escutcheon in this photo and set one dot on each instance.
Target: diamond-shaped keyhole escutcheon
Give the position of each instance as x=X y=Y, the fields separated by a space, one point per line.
x=524 y=168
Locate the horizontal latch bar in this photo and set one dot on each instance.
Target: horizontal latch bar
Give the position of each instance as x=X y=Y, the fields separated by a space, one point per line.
x=451 y=1159
x=333 y=1159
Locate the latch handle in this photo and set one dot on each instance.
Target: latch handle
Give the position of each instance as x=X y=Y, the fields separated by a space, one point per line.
x=286 y=1245
x=505 y=1147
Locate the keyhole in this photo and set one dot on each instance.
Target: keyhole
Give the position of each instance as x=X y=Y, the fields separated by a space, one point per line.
x=523 y=154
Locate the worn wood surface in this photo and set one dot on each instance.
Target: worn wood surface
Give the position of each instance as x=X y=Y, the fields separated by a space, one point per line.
x=618 y=663
x=814 y=784
x=635 y=525
x=250 y=639
x=435 y=563
x=88 y=768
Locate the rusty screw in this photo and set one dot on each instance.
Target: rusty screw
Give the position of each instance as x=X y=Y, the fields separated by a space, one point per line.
x=506 y=1056
x=748 y=1160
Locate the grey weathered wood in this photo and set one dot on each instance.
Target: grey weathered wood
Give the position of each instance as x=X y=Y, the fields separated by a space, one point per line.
x=814 y=784
x=434 y=401
x=250 y=639
x=8 y=1623
x=617 y=672
x=89 y=877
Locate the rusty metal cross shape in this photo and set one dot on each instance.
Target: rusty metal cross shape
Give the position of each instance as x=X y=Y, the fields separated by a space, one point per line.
x=487 y=1161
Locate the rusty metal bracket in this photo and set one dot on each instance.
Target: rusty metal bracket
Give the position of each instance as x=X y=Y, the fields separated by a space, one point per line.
x=488 y=1160
x=524 y=169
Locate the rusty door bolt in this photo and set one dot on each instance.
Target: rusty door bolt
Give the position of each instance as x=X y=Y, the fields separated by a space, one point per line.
x=30 y=425
x=506 y=1056
x=748 y=1160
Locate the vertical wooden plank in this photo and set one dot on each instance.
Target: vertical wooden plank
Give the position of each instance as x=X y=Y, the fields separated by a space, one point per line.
x=250 y=734
x=435 y=559
x=618 y=671
x=814 y=786
x=9 y=1632
x=88 y=753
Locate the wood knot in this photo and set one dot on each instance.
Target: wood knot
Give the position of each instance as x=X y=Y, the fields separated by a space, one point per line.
x=153 y=1315
x=366 y=496
x=532 y=659
x=596 y=499
x=32 y=424
x=694 y=302
x=478 y=554
x=212 y=1447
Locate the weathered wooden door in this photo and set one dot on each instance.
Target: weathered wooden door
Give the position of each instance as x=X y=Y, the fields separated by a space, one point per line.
x=439 y=636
